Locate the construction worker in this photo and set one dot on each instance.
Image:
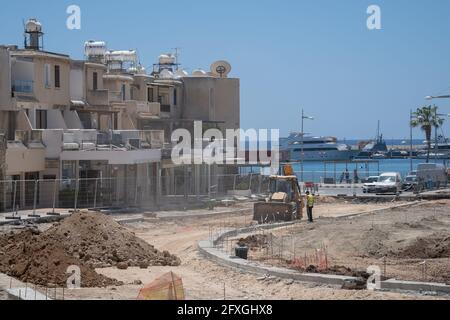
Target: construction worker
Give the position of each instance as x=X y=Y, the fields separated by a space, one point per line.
x=310 y=202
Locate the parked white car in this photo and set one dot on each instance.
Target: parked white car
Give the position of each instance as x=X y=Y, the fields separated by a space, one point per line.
x=389 y=182
x=369 y=186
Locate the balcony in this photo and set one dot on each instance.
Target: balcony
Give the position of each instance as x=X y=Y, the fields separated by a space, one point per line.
x=148 y=108
x=29 y=138
x=98 y=97
x=93 y=140
x=115 y=96
x=25 y=153
x=22 y=86
x=116 y=147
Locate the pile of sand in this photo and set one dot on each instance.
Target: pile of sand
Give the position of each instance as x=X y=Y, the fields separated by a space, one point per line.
x=436 y=246
x=373 y=243
x=88 y=240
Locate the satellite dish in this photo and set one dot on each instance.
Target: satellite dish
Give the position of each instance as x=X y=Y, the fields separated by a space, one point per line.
x=221 y=68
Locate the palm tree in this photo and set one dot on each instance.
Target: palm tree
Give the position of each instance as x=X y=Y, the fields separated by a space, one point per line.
x=426 y=118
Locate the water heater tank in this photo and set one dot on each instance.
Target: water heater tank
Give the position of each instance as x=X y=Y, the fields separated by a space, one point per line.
x=33 y=26
x=123 y=56
x=95 y=48
x=166 y=59
x=199 y=73
x=181 y=74
x=166 y=74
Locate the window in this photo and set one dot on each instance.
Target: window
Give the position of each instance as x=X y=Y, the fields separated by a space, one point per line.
x=175 y=97
x=150 y=94
x=95 y=81
x=57 y=77
x=41 y=119
x=123 y=92
x=47 y=75
x=165 y=108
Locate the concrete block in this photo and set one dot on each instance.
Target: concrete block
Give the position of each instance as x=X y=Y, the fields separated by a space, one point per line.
x=393 y=284
x=25 y=294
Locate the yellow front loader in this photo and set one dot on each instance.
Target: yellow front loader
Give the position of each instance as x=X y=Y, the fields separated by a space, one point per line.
x=285 y=202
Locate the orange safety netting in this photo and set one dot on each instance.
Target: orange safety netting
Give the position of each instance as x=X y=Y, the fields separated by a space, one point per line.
x=167 y=287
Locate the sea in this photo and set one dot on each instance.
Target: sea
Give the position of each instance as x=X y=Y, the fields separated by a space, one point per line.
x=316 y=171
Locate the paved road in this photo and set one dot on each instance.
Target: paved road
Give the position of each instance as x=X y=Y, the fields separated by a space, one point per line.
x=357 y=190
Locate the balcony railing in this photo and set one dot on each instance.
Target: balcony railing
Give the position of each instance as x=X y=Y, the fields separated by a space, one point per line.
x=27 y=137
x=115 y=96
x=153 y=108
x=22 y=86
x=98 y=97
x=89 y=140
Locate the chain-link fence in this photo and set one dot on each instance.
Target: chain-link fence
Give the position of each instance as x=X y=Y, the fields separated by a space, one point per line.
x=164 y=190
x=128 y=192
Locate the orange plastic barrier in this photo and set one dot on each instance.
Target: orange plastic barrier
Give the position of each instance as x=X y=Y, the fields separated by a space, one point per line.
x=167 y=287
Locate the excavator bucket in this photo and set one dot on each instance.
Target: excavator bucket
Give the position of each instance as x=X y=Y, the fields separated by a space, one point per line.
x=270 y=212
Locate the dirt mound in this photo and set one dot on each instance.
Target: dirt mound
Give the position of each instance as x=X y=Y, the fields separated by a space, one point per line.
x=87 y=240
x=435 y=246
x=372 y=243
x=411 y=225
x=42 y=260
x=101 y=242
x=254 y=241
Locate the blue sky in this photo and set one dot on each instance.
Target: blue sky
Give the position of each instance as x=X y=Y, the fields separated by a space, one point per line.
x=315 y=54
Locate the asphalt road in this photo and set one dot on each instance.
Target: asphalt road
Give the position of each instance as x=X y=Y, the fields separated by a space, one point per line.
x=358 y=191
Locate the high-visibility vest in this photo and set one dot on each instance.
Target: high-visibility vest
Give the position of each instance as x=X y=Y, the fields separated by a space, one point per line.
x=311 y=201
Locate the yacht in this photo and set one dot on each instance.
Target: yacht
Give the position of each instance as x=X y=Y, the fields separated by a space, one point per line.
x=443 y=149
x=316 y=148
x=375 y=149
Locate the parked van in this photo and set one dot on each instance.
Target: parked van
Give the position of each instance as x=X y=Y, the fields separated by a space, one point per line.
x=432 y=175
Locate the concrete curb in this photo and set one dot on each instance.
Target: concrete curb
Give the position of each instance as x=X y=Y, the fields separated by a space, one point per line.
x=206 y=248
x=193 y=216
x=43 y=219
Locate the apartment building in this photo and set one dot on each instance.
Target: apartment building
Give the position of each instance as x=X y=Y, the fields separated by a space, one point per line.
x=104 y=118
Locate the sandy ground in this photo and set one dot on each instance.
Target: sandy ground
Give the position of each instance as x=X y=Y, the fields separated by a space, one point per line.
x=206 y=280
x=359 y=242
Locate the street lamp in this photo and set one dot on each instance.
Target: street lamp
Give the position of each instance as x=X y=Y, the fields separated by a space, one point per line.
x=437 y=97
x=411 y=118
x=436 y=143
x=303 y=135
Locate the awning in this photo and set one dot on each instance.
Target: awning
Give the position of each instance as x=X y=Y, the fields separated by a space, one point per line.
x=147 y=116
x=77 y=103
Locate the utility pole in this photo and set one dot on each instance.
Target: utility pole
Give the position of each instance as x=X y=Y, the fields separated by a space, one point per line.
x=303 y=142
x=436 y=145
x=411 y=140
x=302 y=145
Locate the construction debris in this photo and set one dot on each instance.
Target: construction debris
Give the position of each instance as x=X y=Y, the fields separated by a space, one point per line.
x=254 y=241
